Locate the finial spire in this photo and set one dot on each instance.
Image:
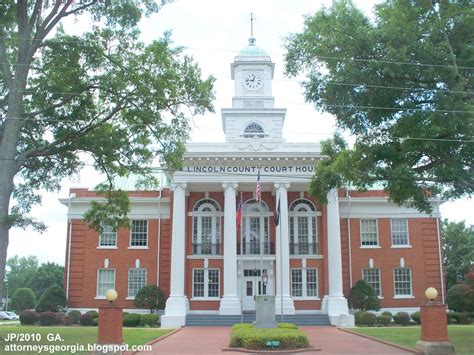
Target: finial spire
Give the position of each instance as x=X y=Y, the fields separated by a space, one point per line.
x=251 y=39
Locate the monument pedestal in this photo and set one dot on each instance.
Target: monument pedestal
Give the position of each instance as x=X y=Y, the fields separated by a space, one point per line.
x=265 y=312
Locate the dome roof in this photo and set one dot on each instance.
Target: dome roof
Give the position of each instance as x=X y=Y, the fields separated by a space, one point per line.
x=253 y=51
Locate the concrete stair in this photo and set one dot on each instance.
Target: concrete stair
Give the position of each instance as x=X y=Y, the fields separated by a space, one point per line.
x=249 y=317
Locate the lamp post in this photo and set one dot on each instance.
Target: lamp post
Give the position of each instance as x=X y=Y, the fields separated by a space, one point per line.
x=434 y=328
x=110 y=320
x=111 y=295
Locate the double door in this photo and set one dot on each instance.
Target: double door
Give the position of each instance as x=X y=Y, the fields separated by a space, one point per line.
x=253 y=286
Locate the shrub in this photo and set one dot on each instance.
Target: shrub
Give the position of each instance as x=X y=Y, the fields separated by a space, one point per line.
x=357 y=317
x=85 y=319
x=48 y=318
x=23 y=299
x=61 y=318
x=74 y=315
x=363 y=296
x=367 y=318
x=95 y=322
x=53 y=299
x=287 y=326
x=387 y=313
x=402 y=318
x=94 y=314
x=384 y=319
x=416 y=317
x=149 y=320
x=150 y=297
x=29 y=317
x=68 y=320
x=460 y=317
x=248 y=337
x=131 y=320
x=460 y=298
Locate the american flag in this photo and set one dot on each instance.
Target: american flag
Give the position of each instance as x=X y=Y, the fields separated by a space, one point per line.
x=258 y=191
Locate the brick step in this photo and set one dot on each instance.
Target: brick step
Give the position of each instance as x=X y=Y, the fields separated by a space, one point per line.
x=228 y=320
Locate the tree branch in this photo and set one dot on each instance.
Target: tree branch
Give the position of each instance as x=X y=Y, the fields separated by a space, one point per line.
x=7 y=74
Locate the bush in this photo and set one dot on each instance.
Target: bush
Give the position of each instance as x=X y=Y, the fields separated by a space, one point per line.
x=384 y=319
x=357 y=317
x=68 y=321
x=85 y=319
x=387 y=313
x=363 y=296
x=74 y=315
x=48 y=318
x=460 y=298
x=416 y=317
x=287 y=326
x=460 y=317
x=402 y=318
x=94 y=314
x=248 y=337
x=131 y=320
x=28 y=317
x=61 y=318
x=366 y=318
x=95 y=322
x=53 y=300
x=23 y=299
x=150 y=297
x=149 y=320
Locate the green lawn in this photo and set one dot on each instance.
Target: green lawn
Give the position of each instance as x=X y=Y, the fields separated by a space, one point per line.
x=461 y=336
x=77 y=335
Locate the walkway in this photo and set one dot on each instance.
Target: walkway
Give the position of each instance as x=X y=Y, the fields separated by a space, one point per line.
x=211 y=340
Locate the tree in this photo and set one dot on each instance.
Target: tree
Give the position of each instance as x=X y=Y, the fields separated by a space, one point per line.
x=53 y=299
x=21 y=271
x=23 y=298
x=460 y=297
x=403 y=85
x=47 y=275
x=102 y=96
x=150 y=297
x=458 y=251
x=363 y=296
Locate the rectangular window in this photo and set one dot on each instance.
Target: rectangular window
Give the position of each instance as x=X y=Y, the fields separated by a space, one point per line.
x=372 y=276
x=105 y=281
x=296 y=282
x=368 y=232
x=206 y=283
x=402 y=281
x=108 y=237
x=136 y=280
x=139 y=233
x=399 y=228
x=304 y=282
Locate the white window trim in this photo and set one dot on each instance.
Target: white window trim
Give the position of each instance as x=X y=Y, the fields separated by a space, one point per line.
x=128 y=280
x=376 y=230
x=380 y=297
x=309 y=215
x=206 y=285
x=130 y=246
x=411 y=284
x=304 y=285
x=215 y=214
x=99 y=246
x=97 y=297
x=401 y=246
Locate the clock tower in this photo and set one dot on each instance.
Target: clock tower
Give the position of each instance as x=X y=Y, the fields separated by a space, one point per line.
x=253 y=115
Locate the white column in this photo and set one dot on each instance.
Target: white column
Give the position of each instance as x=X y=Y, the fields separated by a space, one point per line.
x=283 y=254
x=177 y=303
x=335 y=304
x=230 y=303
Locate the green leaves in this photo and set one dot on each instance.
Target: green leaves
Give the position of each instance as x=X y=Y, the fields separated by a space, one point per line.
x=403 y=86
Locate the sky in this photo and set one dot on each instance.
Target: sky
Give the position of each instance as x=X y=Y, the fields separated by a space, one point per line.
x=213 y=31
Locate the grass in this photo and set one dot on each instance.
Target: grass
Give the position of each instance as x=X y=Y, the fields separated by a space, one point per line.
x=78 y=335
x=461 y=336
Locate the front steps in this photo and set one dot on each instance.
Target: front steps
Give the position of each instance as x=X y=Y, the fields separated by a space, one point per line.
x=249 y=317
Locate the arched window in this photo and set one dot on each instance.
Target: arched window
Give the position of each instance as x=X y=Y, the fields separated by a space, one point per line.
x=206 y=227
x=303 y=228
x=255 y=217
x=254 y=130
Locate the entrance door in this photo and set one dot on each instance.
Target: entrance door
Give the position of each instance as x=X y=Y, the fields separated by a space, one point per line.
x=252 y=287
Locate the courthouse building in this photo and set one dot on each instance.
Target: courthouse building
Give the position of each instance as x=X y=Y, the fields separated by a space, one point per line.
x=210 y=256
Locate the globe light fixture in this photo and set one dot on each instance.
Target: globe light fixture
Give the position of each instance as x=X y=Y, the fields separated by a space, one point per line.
x=431 y=293
x=265 y=277
x=111 y=295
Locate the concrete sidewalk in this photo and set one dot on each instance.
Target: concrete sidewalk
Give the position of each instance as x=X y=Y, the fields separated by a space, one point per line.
x=211 y=340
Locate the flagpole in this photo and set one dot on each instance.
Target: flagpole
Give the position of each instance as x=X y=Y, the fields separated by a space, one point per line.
x=281 y=262
x=260 y=235
x=241 y=265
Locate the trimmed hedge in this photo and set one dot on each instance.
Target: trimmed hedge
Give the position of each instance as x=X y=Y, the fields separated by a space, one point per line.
x=95 y=322
x=460 y=317
x=402 y=318
x=384 y=319
x=29 y=317
x=131 y=320
x=248 y=337
x=387 y=313
x=367 y=318
x=74 y=316
x=149 y=320
x=416 y=317
x=85 y=319
x=93 y=313
x=48 y=318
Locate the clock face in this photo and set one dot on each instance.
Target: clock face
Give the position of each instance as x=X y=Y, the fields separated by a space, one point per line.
x=253 y=81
